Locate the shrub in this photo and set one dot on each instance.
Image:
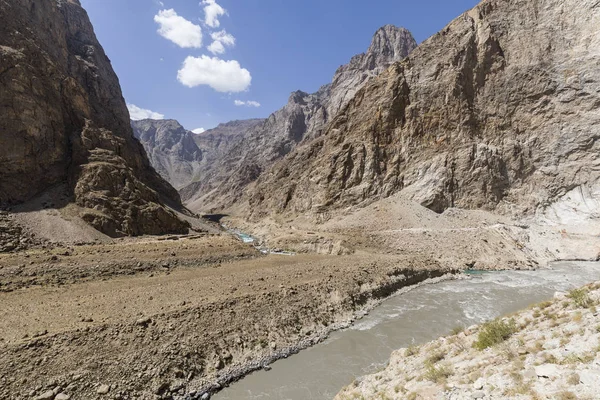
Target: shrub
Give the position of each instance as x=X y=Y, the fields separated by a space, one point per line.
x=411 y=351
x=437 y=374
x=580 y=298
x=494 y=332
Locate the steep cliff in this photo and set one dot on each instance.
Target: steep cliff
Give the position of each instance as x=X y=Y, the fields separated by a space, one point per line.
x=171 y=149
x=499 y=110
x=302 y=118
x=63 y=120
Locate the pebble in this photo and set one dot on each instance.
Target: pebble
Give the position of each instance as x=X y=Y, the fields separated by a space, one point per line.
x=547 y=371
x=478 y=385
x=205 y=396
x=62 y=396
x=49 y=395
x=103 y=389
x=478 y=395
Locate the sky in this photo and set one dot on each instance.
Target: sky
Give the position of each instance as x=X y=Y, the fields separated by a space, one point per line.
x=204 y=62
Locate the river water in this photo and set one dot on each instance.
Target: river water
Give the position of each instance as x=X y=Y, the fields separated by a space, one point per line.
x=416 y=317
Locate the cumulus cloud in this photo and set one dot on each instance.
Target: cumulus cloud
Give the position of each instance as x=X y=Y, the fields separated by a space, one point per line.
x=249 y=103
x=216 y=48
x=220 y=40
x=198 y=131
x=222 y=76
x=178 y=29
x=136 y=113
x=212 y=12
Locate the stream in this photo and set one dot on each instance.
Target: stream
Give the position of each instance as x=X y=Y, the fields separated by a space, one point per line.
x=416 y=317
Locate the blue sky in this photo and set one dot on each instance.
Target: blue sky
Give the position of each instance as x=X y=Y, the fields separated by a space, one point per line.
x=204 y=62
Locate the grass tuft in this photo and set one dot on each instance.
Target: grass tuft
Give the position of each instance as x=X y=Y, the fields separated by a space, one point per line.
x=493 y=333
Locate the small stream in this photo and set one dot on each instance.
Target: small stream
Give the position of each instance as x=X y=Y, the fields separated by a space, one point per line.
x=416 y=317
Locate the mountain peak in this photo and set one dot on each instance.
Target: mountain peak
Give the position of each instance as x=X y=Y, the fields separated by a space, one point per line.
x=392 y=42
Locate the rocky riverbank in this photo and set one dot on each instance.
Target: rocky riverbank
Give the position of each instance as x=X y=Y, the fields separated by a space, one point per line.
x=197 y=313
x=550 y=351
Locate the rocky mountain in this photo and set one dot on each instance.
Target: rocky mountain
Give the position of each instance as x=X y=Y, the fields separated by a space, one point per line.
x=303 y=117
x=64 y=121
x=499 y=111
x=171 y=149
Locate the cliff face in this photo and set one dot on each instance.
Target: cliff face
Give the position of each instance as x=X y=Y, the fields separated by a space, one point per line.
x=63 y=119
x=499 y=110
x=302 y=118
x=171 y=149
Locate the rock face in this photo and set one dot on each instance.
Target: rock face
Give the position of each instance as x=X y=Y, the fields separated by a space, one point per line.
x=171 y=149
x=304 y=117
x=499 y=110
x=63 y=119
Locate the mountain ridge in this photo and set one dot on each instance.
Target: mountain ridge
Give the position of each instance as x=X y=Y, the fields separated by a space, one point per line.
x=65 y=122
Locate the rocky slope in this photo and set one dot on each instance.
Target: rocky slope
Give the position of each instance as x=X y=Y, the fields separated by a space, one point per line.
x=303 y=117
x=171 y=149
x=550 y=351
x=496 y=111
x=63 y=120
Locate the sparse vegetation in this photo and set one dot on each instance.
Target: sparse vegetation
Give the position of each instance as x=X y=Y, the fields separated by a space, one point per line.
x=437 y=374
x=581 y=298
x=411 y=351
x=493 y=333
x=566 y=396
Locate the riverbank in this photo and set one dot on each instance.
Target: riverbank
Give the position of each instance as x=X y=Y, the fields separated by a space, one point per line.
x=180 y=325
x=549 y=351
x=176 y=317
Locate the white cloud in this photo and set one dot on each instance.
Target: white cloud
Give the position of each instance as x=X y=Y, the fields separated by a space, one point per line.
x=220 y=40
x=212 y=12
x=216 y=48
x=198 y=131
x=136 y=113
x=222 y=76
x=178 y=29
x=249 y=103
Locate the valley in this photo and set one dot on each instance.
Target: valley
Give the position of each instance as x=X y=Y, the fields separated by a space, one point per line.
x=459 y=175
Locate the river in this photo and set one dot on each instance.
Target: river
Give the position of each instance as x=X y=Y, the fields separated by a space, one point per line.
x=416 y=317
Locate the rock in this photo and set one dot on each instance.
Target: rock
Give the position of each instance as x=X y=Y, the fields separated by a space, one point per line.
x=547 y=371
x=430 y=125
x=71 y=126
x=205 y=396
x=530 y=374
x=62 y=396
x=478 y=395
x=145 y=321
x=479 y=383
x=560 y=296
x=48 y=395
x=590 y=377
x=304 y=117
x=171 y=149
x=267 y=368
x=103 y=389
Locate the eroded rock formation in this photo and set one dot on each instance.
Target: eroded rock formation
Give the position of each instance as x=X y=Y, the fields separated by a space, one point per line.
x=171 y=149
x=499 y=110
x=63 y=119
x=302 y=118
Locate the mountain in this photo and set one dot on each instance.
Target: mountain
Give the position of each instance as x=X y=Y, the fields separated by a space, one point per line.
x=64 y=122
x=171 y=149
x=303 y=117
x=498 y=111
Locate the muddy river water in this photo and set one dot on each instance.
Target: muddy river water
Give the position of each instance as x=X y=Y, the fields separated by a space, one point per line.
x=416 y=317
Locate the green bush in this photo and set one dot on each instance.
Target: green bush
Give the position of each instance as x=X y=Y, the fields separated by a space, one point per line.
x=494 y=332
